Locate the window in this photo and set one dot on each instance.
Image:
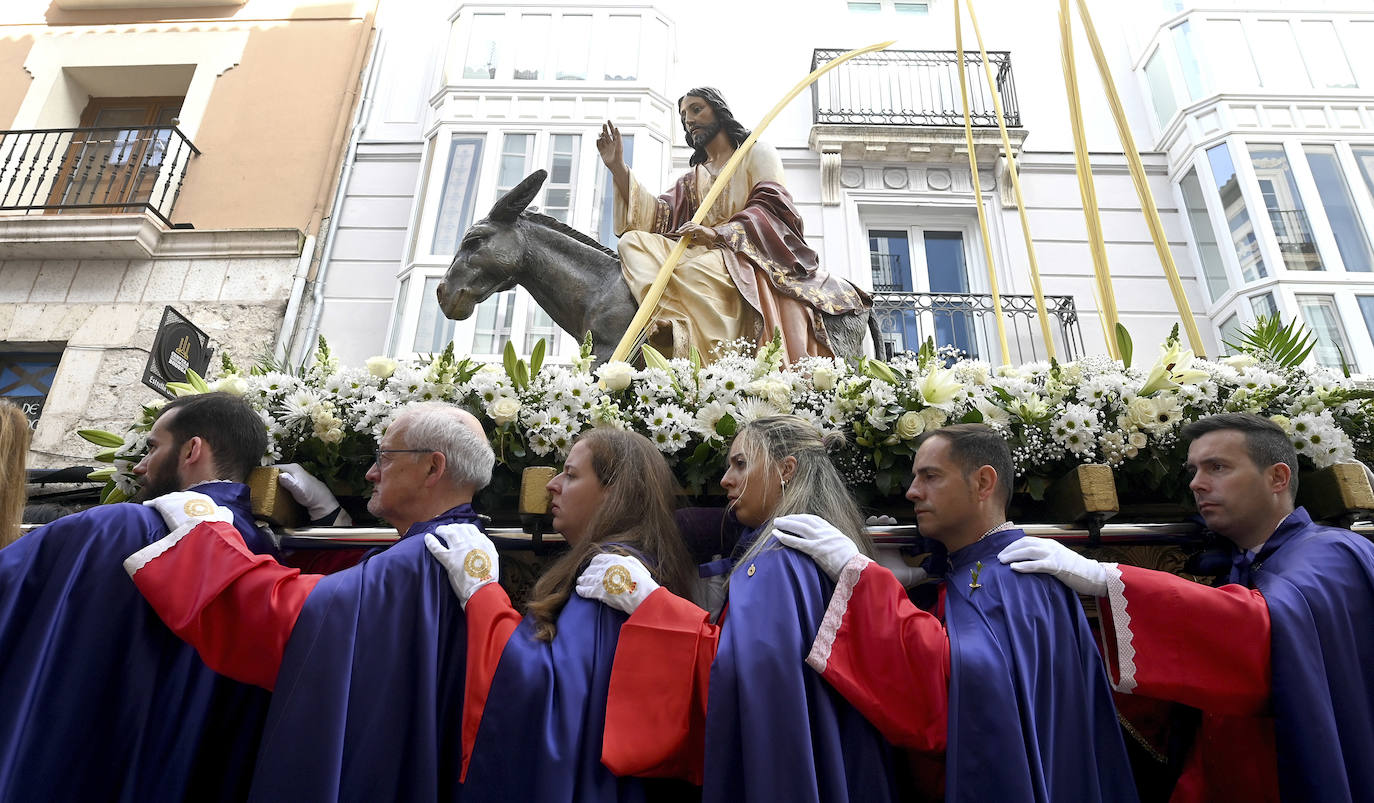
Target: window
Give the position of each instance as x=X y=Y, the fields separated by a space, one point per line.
x=916 y=9
x=1237 y=218
x=116 y=167
x=1282 y=66
x=433 y=330
x=1364 y=157
x=622 y=58
x=1367 y=310
x=1204 y=236
x=558 y=192
x=483 y=36
x=538 y=325
x=1324 y=55
x=890 y=259
x=866 y=8
x=455 y=203
x=605 y=230
x=25 y=379
x=1351 y=239
x=1286 y=212
x=515 y=161
x=534 y=46
x=1230 y=331
x=574 y=35
x=1320 y=315
x=1231 y=62
x=494 y=318
x=1263 y=306
x=947 y=272
x=401 y=297
x=1187 y=59
x=1161 y=92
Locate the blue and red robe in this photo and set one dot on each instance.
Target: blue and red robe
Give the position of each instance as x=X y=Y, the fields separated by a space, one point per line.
x=1278 y=661
x=99 y=701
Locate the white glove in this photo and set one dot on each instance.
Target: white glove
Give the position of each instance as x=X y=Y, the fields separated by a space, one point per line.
x=908 y=576
x=1047 y=556
x=621 y=582
x=186 y=509
x=470 y=558
x=313 y=495
x=818 y=538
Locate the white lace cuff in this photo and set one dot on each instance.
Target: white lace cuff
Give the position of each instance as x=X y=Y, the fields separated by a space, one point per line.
x=1121 y=630
x=834 y=613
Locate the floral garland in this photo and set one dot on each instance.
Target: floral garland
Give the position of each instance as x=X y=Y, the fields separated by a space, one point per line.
x=1054 y=415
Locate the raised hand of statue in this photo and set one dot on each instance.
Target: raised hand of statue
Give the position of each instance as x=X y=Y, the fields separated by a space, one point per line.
x=611 y=146
x=701 y=235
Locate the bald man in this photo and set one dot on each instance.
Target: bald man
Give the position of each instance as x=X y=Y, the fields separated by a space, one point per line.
x=366 y=665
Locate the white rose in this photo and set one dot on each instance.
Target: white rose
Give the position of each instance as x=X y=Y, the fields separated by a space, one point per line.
x=504 y=410
x=616 y=375
x=1138 y=439
x=332 y=436
x=823 y=378
x=1143 y=412
x=381 y=367
x=934 y=417
x=233 y=384
x=910 y=424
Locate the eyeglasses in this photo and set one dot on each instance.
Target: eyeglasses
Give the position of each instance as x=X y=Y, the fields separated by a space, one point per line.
x=380 y=462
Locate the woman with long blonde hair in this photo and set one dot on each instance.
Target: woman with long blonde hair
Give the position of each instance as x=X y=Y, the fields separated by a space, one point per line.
x=772 y=730
x=14 y=448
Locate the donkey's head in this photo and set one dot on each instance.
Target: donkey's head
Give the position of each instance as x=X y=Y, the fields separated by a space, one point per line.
x=489 y=257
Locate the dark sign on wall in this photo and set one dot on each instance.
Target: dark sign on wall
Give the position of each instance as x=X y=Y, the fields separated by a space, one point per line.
x=179 y=347
x=25 y=379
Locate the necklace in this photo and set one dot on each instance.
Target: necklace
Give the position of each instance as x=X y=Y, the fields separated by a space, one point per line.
x=1006 y=525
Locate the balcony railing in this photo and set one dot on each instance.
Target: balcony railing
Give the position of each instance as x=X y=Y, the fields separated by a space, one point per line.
x=966 y=321
x=115 y=169
x=888 y=272
x=1296 y=242
x=912 y=88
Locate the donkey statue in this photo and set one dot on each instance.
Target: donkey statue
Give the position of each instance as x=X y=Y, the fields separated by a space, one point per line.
x=575 y=279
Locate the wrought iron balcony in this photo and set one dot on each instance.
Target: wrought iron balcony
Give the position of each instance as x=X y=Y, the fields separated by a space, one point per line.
x=115 y=169
x=1296 y=242
x=967 y=322
x=888 y=272
x=912 y=88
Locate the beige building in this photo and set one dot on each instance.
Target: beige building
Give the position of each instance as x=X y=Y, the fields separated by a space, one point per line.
x=159 y=153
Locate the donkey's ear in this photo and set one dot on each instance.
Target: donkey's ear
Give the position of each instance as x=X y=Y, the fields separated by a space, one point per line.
x=509 y=206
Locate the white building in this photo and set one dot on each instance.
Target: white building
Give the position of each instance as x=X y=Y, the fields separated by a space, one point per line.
x=1254 y=126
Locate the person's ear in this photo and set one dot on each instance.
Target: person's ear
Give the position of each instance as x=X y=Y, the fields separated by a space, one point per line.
x=1279 y=475
x=193 y=451
x=434 y=468
x=788 y=468
x=985 y=482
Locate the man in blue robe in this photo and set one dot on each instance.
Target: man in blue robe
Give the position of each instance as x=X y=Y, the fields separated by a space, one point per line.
x=367 y=665
x=98 y=700
x=1004 y=681
x=1278 y=659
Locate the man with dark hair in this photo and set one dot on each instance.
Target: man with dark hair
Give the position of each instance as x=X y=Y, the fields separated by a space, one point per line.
x=748 y=269
x=1001 y=691
x=100 y=701
x=1278 y=659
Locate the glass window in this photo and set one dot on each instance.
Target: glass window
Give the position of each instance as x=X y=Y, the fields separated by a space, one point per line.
x=1213 y=268
x=918 y=9
x=1351 y=239
x=433 y=331
x=1231 y=62
x=890 y=258
x=1364 y=157
x=482 y=38
x=1161 y=91
x=947 y=273
x=455 y=205
x=515 y=164
x=1237 y=218
x=1263 y=306
x=26 y=378
x=866 y=8
x=622 y=58
x=1230 y=332
x=401 y=298
x=558 y=192
x=534 y=46
x=1367 y=310
x=574 y=37
x=1324 y=55
x=494 y=317
x=1282 y=65
x=1284 y=205
x=539 y=325
x=1320 y=315
x=1187 y=59
x=605 y=230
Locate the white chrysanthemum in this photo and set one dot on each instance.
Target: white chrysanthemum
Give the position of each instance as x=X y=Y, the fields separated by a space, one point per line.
x=1318 y=437
x=299 y=406
x=752 y=409
x=1075 y=428
x=709 y=415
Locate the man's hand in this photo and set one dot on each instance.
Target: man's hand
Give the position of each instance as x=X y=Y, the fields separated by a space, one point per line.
x=818 y=538
x=908 y=576
x=619 y=581
x=701 y=235
x=1046 y=556
x=470 y=558
x=313 y=495
x=186 y=509
x=611 y=146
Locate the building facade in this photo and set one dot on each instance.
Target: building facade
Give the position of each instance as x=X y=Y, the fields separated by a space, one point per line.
x=178 y=154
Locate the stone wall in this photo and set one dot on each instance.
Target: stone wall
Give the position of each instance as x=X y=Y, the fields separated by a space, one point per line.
x=103 y=314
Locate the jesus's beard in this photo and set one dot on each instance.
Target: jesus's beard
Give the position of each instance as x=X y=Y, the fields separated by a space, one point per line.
x=703 y=135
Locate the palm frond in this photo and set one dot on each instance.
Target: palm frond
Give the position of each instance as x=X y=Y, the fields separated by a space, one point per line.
x=1270 y=339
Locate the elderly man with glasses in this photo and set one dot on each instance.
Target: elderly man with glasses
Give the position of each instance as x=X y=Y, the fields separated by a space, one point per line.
x=362 y=663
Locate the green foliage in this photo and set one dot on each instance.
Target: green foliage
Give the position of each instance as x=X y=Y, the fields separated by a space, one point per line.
x=1124 y=344
x=1269 y=339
